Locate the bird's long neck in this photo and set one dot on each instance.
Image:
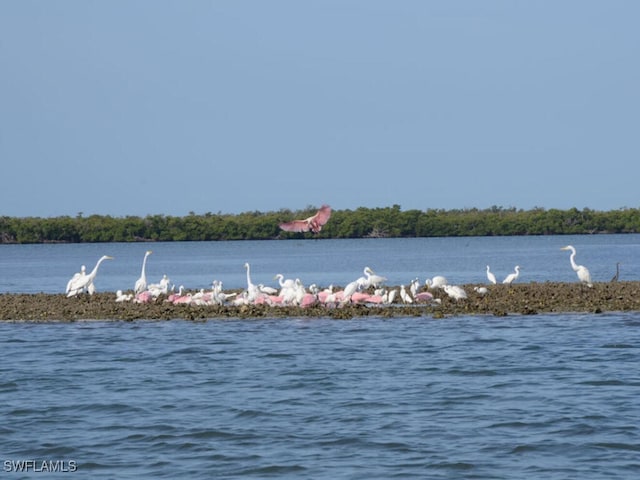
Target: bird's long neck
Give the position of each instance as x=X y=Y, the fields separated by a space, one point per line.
x=572 y=258
x=94 y=272
x=144 y=264
x=248 y=275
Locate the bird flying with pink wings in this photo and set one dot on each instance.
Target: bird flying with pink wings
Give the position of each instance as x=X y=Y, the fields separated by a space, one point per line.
x=313 y=223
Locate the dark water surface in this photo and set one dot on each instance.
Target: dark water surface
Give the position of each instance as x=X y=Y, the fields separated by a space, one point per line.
x=547 y=396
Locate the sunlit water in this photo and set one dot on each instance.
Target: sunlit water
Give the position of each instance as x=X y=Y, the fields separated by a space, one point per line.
x=548 y=396
x=516 y=397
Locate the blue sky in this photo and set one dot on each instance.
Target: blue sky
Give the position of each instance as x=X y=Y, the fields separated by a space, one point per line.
x=144 y=107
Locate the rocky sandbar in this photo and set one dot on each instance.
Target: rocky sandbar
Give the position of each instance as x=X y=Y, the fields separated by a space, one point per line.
x=528 y=299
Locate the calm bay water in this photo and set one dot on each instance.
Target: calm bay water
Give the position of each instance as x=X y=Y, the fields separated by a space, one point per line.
x=548 y=396
x=545 y=396
x=47 y=268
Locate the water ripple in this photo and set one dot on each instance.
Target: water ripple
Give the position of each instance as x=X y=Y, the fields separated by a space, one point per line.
x=369 y=398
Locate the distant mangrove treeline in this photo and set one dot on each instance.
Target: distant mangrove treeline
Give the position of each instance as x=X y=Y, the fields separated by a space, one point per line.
x=358 y=223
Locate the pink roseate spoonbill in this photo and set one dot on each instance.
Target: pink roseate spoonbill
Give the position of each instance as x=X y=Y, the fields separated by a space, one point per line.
x=78 y=284
x=273 y=300
x=423 y=297
x=174 y=296
x=490 y=276
x=327 y=295
x=375 y=299
x=583 y=272
x=143 y=297
x=308 y=300
x=183 y=299
x=359 y=297
x=512 y=276
x=314 y=223
x=141 y=284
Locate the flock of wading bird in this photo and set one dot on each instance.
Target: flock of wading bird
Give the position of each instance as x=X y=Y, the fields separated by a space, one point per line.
x=367 y=289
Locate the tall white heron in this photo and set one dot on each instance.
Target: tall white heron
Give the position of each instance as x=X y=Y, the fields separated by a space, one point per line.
x=583 y=272
x=141 y=284
x=512 y=277
x=78 y=283
x=491 y=276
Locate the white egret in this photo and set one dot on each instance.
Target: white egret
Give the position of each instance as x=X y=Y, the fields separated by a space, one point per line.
x=363 y=283
x=77 y=284
x=436 y=282
x=455 y=292
x=219 y=297
x=404 y=296
x=392 y=296
x=252 y=290
x=266 y=289
x=583 y=272
x=141 y=284
x=491 y=276
x=158 y=289
x=373 y=279
x=76 y=278
x=512 y=277
x=348 y=291
x=288 y=283
x=300 y=291
x=481 y=290
x=123 y=297
x=414 y=286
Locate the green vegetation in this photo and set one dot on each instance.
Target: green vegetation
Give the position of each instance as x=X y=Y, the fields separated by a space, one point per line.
x=359 y=223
